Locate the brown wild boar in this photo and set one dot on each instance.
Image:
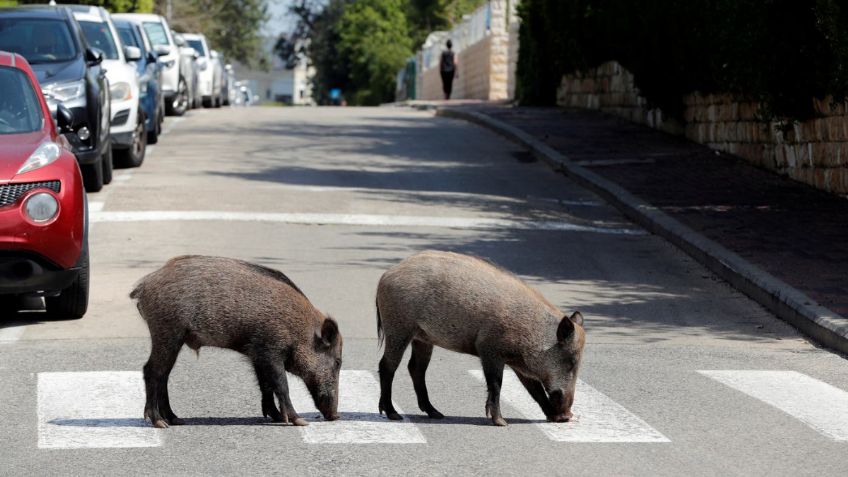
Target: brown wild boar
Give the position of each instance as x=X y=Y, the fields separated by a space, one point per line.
x=467 y=305
x=257 y=311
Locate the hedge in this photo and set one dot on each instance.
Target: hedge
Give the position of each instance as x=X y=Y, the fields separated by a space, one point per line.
x=782 y=53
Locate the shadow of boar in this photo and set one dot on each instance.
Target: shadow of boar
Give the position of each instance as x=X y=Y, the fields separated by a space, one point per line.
x=468 y=305
x=257 y=311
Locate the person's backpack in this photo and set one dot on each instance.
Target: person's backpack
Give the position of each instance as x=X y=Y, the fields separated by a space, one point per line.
x=447 y=64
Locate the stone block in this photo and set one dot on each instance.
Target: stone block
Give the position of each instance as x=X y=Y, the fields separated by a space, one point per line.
x=712 y=115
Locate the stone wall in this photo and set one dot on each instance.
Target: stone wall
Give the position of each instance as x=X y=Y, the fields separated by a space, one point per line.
x=813 y=151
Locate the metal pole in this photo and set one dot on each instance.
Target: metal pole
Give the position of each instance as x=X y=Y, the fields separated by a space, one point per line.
x=169 y=9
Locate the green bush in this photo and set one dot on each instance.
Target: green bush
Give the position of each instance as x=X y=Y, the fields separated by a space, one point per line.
x=782 y=53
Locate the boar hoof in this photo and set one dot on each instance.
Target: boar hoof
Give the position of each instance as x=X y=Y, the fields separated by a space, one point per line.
x=499 y=421
x=394 y=416
x=176 y=421
x=434 y=414
x=160 y=424
x=299 y=422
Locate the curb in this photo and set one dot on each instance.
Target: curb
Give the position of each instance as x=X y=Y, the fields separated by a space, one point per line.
x=789 y=304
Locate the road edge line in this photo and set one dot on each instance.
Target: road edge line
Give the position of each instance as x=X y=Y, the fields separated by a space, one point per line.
x=791 y=305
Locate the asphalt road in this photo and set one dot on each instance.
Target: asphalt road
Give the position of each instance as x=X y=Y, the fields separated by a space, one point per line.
x=333 y=197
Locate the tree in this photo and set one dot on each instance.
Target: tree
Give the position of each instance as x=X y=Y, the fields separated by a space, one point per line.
x=375 y=37
x=231 y=26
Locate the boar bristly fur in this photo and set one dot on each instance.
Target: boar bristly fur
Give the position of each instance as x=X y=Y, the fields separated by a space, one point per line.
x=257 y=311
x=468 y=305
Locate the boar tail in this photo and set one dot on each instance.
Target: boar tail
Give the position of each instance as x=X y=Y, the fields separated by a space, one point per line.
x=380 y=334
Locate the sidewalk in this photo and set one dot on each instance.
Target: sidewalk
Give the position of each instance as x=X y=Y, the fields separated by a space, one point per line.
x=795 y=233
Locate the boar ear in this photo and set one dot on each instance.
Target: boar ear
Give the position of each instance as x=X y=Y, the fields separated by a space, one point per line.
x=329 y=332
x=565 y=329
x=577 y=317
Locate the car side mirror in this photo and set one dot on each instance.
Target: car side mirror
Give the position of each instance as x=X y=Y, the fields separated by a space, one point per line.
x=132 y=53
x=163 y=50
x=93 y=56
x=195 y=55
x=152 y=57
x=64 y=119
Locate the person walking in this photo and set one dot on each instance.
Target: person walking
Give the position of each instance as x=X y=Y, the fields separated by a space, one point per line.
x=447 y=67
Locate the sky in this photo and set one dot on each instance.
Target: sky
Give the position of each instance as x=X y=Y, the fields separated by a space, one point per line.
x=280 y=21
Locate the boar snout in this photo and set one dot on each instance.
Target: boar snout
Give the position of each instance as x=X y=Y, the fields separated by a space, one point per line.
x=561 y=403
x=328 y=406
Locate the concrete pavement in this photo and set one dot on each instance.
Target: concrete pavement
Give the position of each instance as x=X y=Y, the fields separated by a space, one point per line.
x=656 y=320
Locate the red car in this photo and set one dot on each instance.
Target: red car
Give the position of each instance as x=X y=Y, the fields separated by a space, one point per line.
x=43 y=209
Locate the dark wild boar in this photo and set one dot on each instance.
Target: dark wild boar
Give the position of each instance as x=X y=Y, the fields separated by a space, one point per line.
x=257 y=311
x=467 y=305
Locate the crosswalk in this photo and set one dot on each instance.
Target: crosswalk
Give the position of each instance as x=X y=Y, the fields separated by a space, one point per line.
x=102 y=410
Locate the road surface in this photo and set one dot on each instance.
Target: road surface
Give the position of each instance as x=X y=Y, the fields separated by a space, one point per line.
x=682 y=375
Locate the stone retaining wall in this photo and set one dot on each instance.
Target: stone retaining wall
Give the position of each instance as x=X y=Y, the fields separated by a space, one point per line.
x=813 y=151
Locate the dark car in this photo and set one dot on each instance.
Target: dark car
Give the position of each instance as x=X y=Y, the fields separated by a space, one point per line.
x=69 y=72
x=43 y=221
x=150 y=76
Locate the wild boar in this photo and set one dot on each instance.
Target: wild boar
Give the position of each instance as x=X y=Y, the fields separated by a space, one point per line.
x=468 y=305
x=257 y=311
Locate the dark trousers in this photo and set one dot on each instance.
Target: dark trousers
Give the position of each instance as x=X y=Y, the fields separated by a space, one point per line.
x=447 y=83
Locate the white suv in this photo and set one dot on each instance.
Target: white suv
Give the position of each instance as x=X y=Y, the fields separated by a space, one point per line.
x=174 y=83
x=128 y=131
x=211 y=73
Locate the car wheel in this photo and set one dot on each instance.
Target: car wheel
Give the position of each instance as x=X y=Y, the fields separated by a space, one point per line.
x=134 y=156
x=179 y=105
x=108 y=165
x=153 y=135
x=92 y=175
x=9 y=305
x=72 y=302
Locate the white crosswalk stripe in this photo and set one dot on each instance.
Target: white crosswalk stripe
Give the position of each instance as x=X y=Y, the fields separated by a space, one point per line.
x=92 y=409
x=819 y=405
x=360 y=423
x=597 y=417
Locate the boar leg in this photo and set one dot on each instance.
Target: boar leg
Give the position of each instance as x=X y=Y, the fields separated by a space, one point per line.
x=392 y=357
x=421 y=353
x=274 y=376
x=493 y=371
x=266 y=387
x=535 y=388
x=163 y=355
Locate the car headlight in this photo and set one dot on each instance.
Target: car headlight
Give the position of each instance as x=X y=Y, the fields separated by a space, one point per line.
x=120 y=91
x=45 y=154
x=41 y=207
x=64 y=91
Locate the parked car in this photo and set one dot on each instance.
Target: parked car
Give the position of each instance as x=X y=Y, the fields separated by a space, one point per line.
x=70 y=72
x=174 y=83
x=43 y=216
x=210 y=71
x=229 y=85
x=129 y=133
x=149 y=69
x=188 y=57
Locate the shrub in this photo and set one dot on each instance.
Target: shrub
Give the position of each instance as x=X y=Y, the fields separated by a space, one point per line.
x=782 y=53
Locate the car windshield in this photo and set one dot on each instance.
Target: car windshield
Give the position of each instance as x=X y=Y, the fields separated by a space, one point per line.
x=126 y=34
x=98 y=36
x=198 y=47
x=20 y=111
x=38 y=40
x=156 y=33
